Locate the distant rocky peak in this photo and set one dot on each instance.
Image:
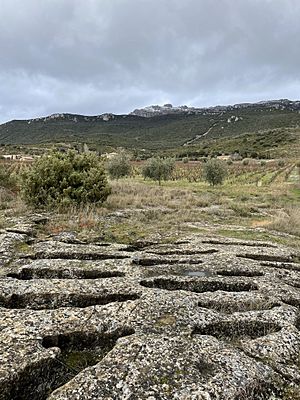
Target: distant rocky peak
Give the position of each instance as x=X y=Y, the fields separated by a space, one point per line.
x=166 y=109
x=73 y=118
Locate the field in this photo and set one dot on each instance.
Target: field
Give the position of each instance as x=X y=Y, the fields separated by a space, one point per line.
x=259 y=200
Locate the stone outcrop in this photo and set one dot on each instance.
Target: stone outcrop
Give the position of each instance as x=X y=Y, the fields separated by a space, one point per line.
x=168 y=109
x=204 y=318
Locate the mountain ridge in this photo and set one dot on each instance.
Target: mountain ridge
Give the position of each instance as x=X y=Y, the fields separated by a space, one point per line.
x=155 y=127
x=169 y=109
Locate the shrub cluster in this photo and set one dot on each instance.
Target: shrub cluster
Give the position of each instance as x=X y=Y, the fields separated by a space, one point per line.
x=214 y=172
x=158 y=168
x=119 y=166
x=8 y=180
x=65 y=179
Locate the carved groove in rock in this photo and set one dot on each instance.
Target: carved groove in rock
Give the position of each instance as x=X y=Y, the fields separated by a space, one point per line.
x=237 y=272
x=53 y=301
x=291 y=267
x=268 y=257
x=75 y=256
x=150 y=262
x=46 y=273
x=292 y=302
x=182 y=252
x=223 y=243
x=198 y=286
x=78 y=351
x=231 y=307
x=231 y=330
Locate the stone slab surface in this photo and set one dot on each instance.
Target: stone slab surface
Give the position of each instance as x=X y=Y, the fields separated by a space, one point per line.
x=204 y=318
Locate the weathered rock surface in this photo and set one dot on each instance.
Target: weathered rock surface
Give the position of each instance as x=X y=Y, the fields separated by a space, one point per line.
x=200 y=319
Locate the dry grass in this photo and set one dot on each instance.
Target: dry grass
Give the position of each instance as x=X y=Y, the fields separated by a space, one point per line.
x=6 y=197
x=143 y=195
x=132 y=194
x=11 y=205
x=133 y=211
x=288 y=221
x=139 y=209
x=78 y=219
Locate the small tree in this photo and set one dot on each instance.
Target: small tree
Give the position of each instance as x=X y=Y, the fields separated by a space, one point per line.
x=119 y=166
x=65 y=179
x=214 y=172
x=158 y=168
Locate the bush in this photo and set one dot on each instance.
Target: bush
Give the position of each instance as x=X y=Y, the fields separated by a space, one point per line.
x=119 y=166
x=65 y=179
x=158 y=168
x=8 y=180
x=245 y=161
x=214 y=172
x=281 y=163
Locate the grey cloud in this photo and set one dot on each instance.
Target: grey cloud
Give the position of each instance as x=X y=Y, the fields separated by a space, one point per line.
x=94 y=56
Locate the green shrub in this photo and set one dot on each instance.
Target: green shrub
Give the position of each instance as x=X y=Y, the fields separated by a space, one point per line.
x=119 y=166
x=185 y=160
x=214 y=172
x=280 y=163
x=65 y=179
x=8 y=180
x=245 y=161
x=158 y=168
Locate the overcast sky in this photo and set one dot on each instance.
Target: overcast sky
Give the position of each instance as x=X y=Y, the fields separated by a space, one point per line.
x=96 y=56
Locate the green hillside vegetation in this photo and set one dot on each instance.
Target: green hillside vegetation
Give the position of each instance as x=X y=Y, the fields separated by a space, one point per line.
x=272 y=143
x=280 y=128
x=125 y=131
x=255 y=120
